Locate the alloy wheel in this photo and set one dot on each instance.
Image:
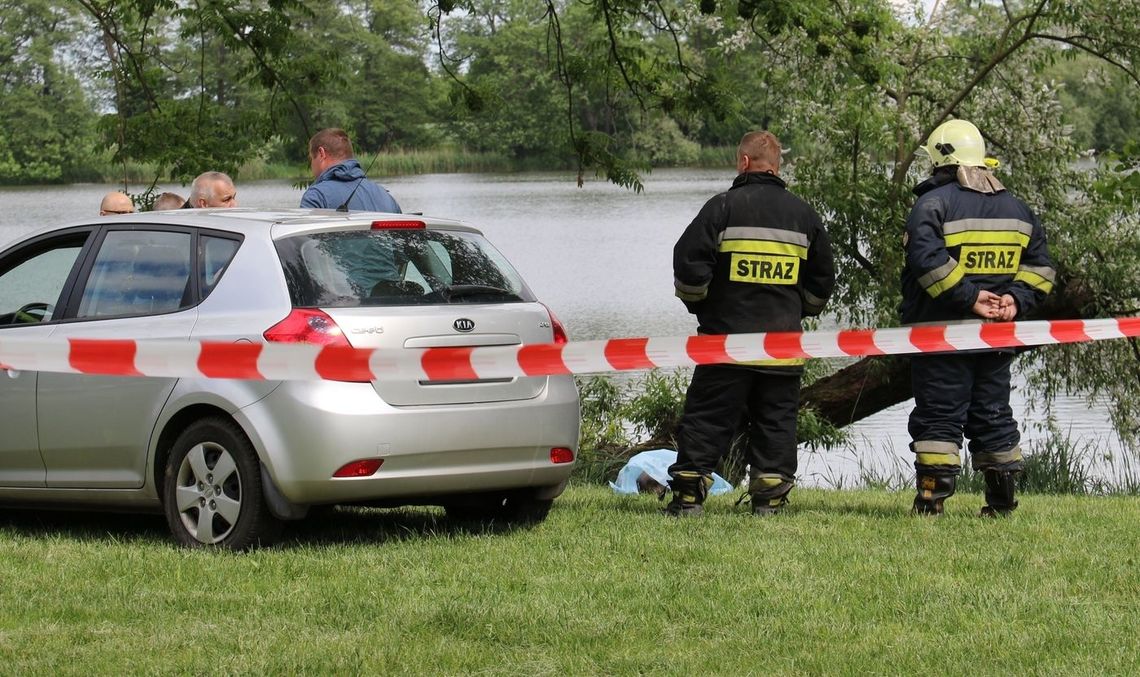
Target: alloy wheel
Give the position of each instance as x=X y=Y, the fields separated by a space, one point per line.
x=209 y=492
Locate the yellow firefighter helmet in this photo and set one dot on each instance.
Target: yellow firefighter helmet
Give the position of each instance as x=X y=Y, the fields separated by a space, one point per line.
x=956 y=142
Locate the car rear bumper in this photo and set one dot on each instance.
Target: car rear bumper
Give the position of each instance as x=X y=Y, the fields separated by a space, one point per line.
x=304 y=432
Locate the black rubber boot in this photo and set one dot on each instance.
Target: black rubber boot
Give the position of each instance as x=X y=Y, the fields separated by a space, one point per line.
x=769 y=494
x=689 y=492
x=932 y=490
x=1000 y=486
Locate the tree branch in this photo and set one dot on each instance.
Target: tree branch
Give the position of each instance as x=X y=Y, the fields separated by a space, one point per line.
x=1130 y=72
x=111 y=33
x=278 y=81
x=994 y=61
x=613 y=51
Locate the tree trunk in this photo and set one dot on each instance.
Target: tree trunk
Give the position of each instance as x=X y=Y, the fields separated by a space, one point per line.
x=855 y=392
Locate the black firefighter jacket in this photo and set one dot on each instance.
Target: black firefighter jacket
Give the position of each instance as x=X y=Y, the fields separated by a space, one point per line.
x=959 y=241
x=755 y=259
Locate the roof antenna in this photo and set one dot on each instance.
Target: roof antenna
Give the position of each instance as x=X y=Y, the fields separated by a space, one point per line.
x=344 y=206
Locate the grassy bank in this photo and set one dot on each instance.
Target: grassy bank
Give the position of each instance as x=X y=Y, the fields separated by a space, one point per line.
x=845 y=582
x=388 y=163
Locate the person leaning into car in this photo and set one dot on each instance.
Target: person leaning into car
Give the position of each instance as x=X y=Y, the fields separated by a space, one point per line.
x=340 y=182
x=755 y=259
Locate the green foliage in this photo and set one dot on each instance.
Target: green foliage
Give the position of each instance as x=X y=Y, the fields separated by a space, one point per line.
x=1062 y=464
x=1099 y=102
x=603 y=436
x=207 y=86
x=656 y=408
x=46 y=131
x=185 y=136
x=660 y=143
x=623 y=416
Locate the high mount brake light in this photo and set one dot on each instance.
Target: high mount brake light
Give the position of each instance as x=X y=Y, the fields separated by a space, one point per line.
x=398 y=225
x=307 y=325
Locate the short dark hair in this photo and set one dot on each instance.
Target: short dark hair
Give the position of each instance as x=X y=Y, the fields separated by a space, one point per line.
x=335 y=142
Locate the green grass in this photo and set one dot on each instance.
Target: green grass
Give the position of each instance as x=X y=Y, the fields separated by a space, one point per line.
x=844 y=583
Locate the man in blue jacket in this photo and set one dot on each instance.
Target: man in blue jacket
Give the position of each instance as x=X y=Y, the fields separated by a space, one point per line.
x=340 y=182
x=974 y=253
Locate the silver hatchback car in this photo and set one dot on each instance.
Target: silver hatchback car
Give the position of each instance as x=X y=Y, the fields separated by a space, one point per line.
x=228 y=461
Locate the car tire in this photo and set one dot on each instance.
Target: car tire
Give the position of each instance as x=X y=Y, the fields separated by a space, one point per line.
x=212 y=493
x=513 y=508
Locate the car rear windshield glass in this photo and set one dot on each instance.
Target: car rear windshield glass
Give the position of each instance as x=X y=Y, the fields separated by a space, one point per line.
x=396 y=267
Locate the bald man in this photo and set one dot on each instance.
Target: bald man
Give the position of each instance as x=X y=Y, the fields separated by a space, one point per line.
x=116 y=203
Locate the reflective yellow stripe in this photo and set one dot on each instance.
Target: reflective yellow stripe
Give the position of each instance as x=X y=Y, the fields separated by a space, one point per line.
x=768 y=481
x=963 y=225
x=997 y=457
x=759 y=233
x=987 y=237
x=764 y=247
x=786 y=362
x=1033 y=280
x=1044 y=271
x=690 y=292
x=929 y=458
x=947 y=282
x=934 y=447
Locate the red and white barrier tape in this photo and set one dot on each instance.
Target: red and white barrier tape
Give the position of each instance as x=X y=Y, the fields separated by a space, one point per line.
x=289 y=361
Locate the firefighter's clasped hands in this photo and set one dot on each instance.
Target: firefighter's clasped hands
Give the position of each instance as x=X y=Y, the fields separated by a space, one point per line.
x=993 y=307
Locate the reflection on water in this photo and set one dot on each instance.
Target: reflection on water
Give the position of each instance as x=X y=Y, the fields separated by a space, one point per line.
x=600 y=257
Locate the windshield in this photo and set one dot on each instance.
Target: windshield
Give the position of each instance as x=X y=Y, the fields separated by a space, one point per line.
x=396 y=267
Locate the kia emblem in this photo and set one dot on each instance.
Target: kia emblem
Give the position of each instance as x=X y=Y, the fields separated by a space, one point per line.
x=463 y=324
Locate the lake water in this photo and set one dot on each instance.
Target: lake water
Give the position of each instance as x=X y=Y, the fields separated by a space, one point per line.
x=601 y=258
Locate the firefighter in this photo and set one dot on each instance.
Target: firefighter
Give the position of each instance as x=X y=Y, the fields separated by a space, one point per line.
x=974 y=253
x=755 y=259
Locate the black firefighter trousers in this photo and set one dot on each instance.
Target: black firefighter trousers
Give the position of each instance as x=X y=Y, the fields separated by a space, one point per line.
x=719 y=399
x=967 y=394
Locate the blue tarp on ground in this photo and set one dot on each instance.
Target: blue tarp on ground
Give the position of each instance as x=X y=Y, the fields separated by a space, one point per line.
x=655 y=463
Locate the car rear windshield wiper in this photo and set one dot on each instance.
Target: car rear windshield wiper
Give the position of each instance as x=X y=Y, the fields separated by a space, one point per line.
x=455 y=291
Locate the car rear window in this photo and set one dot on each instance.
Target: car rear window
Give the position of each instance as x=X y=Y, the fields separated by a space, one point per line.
x=396 y=267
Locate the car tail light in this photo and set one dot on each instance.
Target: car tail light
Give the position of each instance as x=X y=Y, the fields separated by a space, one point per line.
x=305 y=325
x=561 y=455
x=560 y=335
x=398 y=225
x=362 y=468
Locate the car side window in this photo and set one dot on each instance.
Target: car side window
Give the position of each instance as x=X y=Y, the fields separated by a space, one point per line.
x=30 y=283
x=138 y=272
x=215 y=255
